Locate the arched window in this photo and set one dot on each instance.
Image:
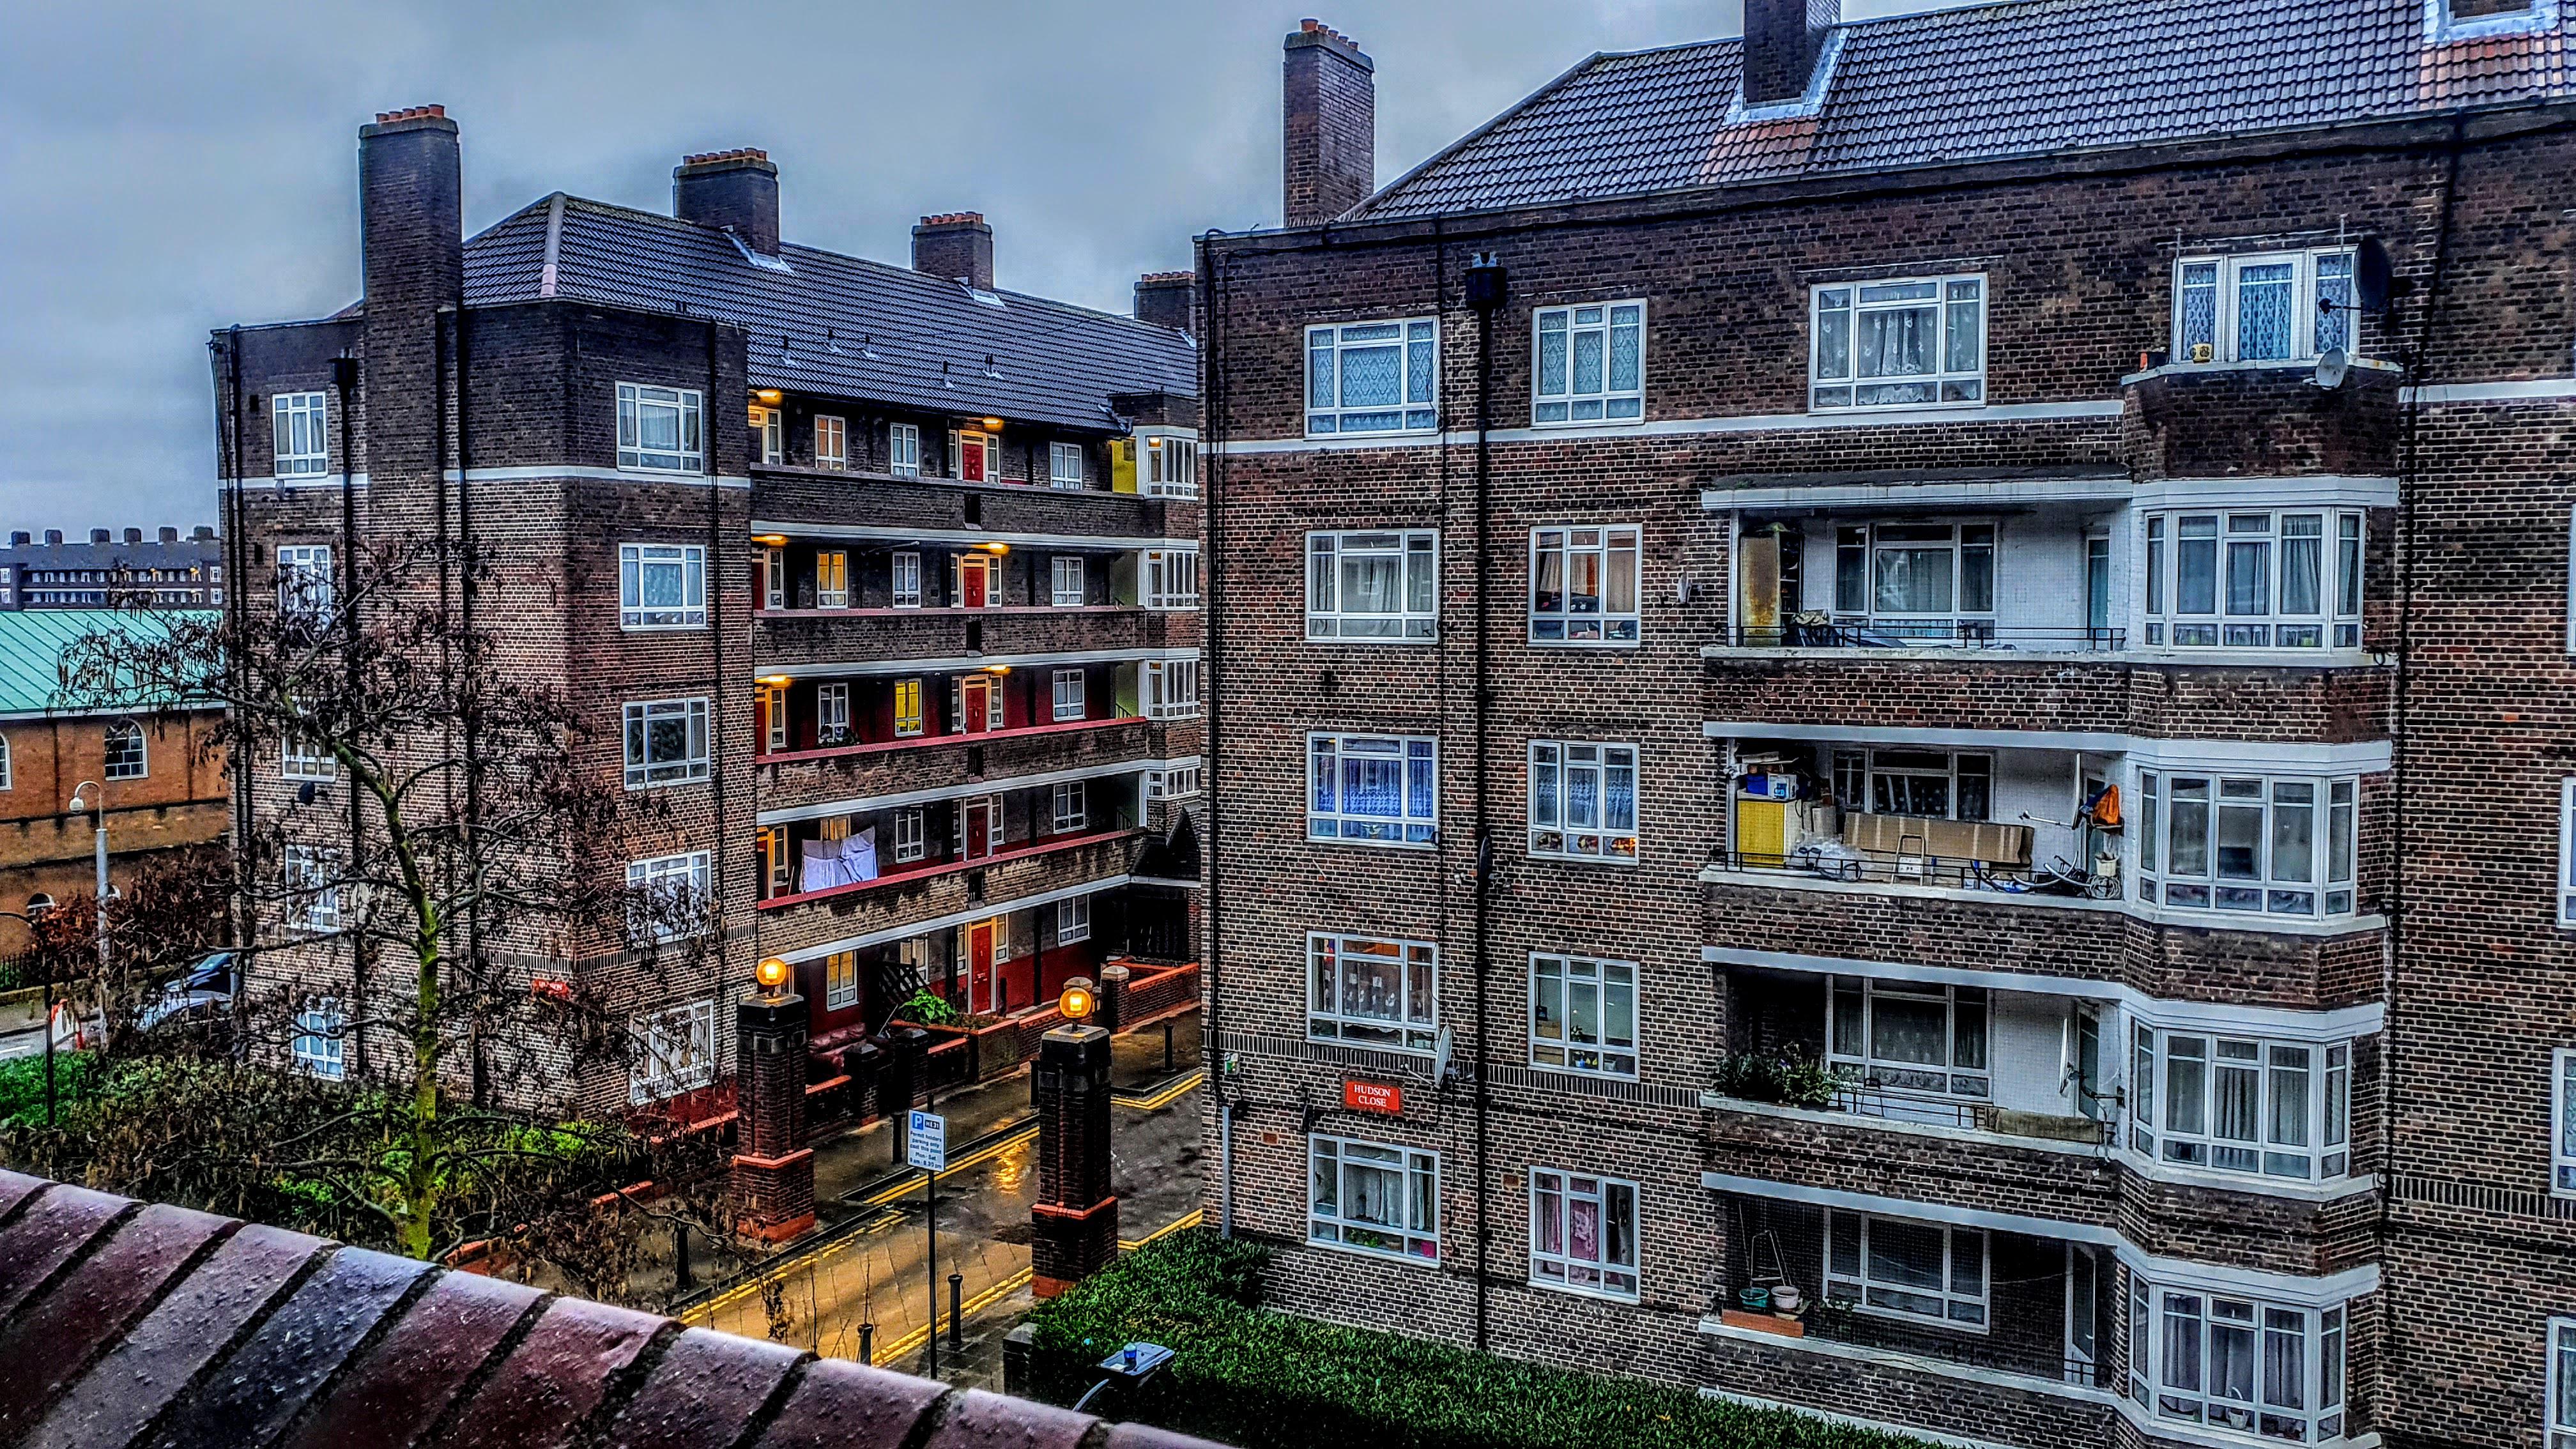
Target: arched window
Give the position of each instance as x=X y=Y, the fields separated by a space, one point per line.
x=125 y=755
x=38 y=904
x=5 y=780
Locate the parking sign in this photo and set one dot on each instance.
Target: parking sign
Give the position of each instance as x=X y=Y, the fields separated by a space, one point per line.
x=926 y=1142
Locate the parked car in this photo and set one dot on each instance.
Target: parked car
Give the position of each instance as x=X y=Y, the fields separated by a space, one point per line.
x=204 y=994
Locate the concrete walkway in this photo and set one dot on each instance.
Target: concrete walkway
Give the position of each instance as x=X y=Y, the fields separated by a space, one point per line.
x=864 y=1277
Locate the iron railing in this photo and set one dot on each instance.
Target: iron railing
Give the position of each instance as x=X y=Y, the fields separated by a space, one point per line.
x=2061 y=881
x=1928 y=634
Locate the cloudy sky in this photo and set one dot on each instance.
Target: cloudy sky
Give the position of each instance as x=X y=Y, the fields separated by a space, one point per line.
x=168 y=169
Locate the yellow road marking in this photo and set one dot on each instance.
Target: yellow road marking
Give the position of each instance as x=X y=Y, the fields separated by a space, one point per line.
x=1195 y=1217
x=1165 y=1097
x=977 y=1304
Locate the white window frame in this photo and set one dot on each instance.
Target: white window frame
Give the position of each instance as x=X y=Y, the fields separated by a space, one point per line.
x=1557 y=396
x=313 y=870
x=1168 y=464
x=911 y=834
x=119 y=763
x=769 y=434
x=299 y=757
x=1565 y=980
x=1069 y=808
x=300 y=434
x=1411 y=1234
x=1072 y=695
x=2558 y=1405
x=675 y=1051
x=1065 y=467
x=1965 y=1071
x=831 y=578
x=904 y=578
x=1609 y=549
x=1858 y=770
x=2157 y=1310
x=1555 y=766
x=1175 y=782
x=682 y=885
x=1869 y=545
x=633 y=562
x=2333 y=843
x=1171 y=577
x=2567 y=853
x=903 y=449
x=697 y=760
x=832 y=442
x=687 y=410
x=1833 y=306
x=2316 y=272
x=1328 y=779
x=305 y=583
x=1170 y=688
x=8 y=780
x=2562 y=1126
x=773 y=702
x=1346 y=1005
x=1416 y=408
x=1072 y=920
x=773 y=578
x=2254 y=542
x=320 y=1045
x=1065 y=581
x=1415 y=554
x=2158 y=1133
x=1557 y=1197
x=840 y=980
x=831 y=714
x=1973 y=1309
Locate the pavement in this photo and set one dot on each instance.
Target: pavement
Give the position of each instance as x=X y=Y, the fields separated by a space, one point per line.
x=861 y=1285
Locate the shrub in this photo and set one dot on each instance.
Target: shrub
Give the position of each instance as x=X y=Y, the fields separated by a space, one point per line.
x=1244 y=1375
x=1789 y=1079
x=927 y=1008
x=22 y=1085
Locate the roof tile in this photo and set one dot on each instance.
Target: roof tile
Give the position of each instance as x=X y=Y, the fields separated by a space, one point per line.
x=706 y=1390
x=555 y=1378
x=843 y=1405
x=977 y=1420
x=390 y=1400
x=48 y=1344
x=44 y=1236
x=260 y=1386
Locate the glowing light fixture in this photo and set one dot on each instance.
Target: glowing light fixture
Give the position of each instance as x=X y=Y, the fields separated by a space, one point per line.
x=1079 y=999
x=992 y=425
x=996 y=549
x=774 y=540
x=772 y=973
x=771 y=396
x=776 y=681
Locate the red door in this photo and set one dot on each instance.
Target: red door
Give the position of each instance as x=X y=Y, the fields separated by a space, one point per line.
x=976 y=703
x=979 y=966
x=983 y=824
x=972 y=581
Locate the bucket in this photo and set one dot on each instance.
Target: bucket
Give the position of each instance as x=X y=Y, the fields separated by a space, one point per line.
x=1754 y=1300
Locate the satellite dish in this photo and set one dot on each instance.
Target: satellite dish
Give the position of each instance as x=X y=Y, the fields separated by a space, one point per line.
x=1443 y=1046
x=2371 y=275
x=2333 y=368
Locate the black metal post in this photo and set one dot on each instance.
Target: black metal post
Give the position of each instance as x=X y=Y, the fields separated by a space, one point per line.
x=931 y=1219
x=957 y=1311
x=867 y=1343
x=680 y=1256
x=1167 y=1046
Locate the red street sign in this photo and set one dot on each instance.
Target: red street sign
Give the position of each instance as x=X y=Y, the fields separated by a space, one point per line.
x=1385 y=1098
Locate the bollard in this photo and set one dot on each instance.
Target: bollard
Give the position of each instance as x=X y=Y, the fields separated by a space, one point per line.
x=956 y=1310
x=1167 y=1046
x=680 y=1255
x=867 y=1343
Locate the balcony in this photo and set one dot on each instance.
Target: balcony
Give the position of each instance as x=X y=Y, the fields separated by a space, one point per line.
x=930 y=762
x=943 y=892
x=787 y=499
x=794 y=640
x=2269 y=419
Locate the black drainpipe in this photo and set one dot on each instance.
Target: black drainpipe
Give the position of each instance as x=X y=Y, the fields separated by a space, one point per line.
x=344 y=379
x=237 y=605
x=716 y=556
x=1211 y=1036
x=1484 y=293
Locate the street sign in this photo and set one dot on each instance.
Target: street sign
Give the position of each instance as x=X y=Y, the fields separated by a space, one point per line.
x=1384 y=1098
x=926 y=1142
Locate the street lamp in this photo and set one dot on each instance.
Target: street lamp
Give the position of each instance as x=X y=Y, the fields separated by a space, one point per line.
x=1079 y=999
x=771 y=973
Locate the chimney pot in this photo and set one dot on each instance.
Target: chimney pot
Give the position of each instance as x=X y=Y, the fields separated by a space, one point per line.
x=1784 y=40
x=735 y=191
x=957 y=245
x=1328 y=125
x=101 y=535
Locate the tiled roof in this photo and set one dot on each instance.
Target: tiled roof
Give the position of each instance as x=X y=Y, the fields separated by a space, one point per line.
x=2028 y=78
x=123 y=1324
x=842 y=326
x=32 y=642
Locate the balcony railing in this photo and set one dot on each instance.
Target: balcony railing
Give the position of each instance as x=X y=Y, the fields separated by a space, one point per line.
x=1978 y=634
x=1839 y=1322
x=1833 y=861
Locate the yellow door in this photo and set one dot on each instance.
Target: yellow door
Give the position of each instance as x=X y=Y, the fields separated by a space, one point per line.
x=1762 y=832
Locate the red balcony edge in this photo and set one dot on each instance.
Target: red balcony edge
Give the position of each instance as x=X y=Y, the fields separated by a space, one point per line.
x=948 y=867
x=924 y=741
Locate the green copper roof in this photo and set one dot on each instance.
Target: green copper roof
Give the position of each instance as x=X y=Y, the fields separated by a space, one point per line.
x=32 y=642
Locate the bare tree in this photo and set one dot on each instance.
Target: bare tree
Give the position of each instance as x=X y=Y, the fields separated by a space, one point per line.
x=428 y=871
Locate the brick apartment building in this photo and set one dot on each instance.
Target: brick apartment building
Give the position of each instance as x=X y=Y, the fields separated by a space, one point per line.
x=1924 y=663
x=112 y=571
x=881 y=581
x=161 y=775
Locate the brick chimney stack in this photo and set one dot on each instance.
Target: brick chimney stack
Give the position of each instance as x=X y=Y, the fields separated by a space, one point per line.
x=412 y=229
x=735 y=191
x=1328 y=125
x=1169 y=299
x=1783 y=40
x=956 y=245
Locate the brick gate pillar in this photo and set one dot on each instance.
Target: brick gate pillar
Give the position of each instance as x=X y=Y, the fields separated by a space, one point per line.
x=1076 y=1216
x=773 y=1169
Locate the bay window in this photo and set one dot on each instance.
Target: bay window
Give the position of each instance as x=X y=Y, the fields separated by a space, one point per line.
x=1171 y=688
x=1373 y=586
x=1583 y=1014
x=2276 y=306
x=1373 y=377
x=2235 y=1362
x=1373 y=1197
x=1910 y=1036
x=2254 y=580
x=1583 y=801
x=2241 y=1104
x=1372 y=992
x=2253 y=844
x=1171 y=578
x=1583 y=585
x=1933 y=581
x=1590 y=364
x=1913 y=342
x=660 y=429
x=1170 y=466
x=1899 y=1269
x=1372 y=789
x=1583 y=1233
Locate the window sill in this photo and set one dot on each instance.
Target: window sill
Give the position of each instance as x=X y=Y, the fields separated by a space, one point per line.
x=1713 y=1327
x=1380 y=1254
x=1598 y=1295
x=1365 y=641
x=1634 y=422
x=1587 y=643
x=1624 y=862
x=638 y=468
x=1313 y=839
x=2316 y=659
x=1876 y=410
x=1371 y=435
x=2258 y=364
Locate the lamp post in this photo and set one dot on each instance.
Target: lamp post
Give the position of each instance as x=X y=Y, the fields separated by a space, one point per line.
x=1076 y=1214
x=91 y=796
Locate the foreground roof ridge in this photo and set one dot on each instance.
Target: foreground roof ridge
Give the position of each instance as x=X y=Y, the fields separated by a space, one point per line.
x=124 y=1324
